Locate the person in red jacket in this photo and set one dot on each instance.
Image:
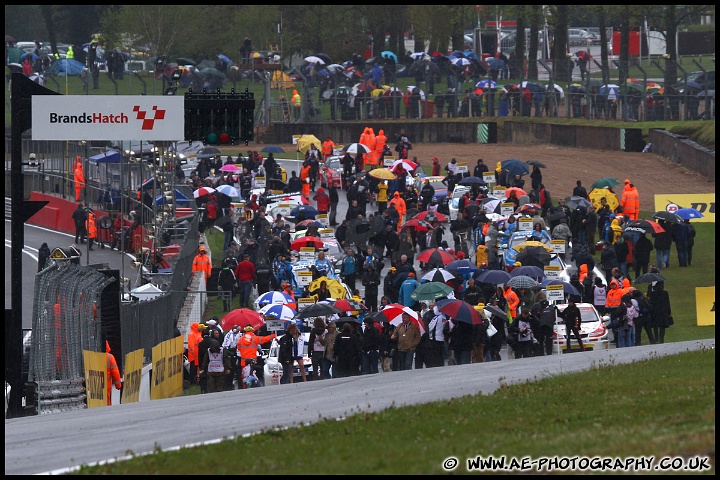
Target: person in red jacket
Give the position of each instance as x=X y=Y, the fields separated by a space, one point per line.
x=113 y=373
x=245 y=274
x=322 y=200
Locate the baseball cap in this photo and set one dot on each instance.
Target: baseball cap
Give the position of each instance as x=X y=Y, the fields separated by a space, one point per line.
x=411 y=274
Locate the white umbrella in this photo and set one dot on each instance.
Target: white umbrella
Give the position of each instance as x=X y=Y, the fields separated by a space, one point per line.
x=461 y=62
x=438 y=275
x=314 y=59
x=228 y=190
x=559 y=89
x=422 y=93
x=335 y=68
x=419 y=55
x=202 y=191
x=357 y=147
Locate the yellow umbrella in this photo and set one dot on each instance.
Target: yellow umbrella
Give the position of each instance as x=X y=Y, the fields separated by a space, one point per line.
x=337 y=290
x=382 y=174
x=377 y=92
x=304 y=142
x=597 y=193
x=533 y=243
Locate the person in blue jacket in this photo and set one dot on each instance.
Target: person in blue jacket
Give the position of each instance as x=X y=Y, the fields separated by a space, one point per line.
x=406 y=289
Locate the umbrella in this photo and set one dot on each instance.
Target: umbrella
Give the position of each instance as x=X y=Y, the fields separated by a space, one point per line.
x=558 y=89
x=435 y=257
x=495 y=63
x=597 y=193
x=304 y=142
x=493 y=276
x=530 y=208
x=419 y=55
x=462 y=266
x=377 y=316
x=272 y=149
x=390 y=55
x=496 y=311
x=431 y=291
x=418 y=224
x=529 y=271
x=298 y=243
x=535 y=163
x=568 y=288
x=412 y=88
x=472 y=180
x=610 y=90
x=274 y=298
x=643 y=226
x=438 y=275
x=532 y=243
x=343 y=320
x=304 y=224
x=461 y=62
x=281 y=312
x=515 y=166
x=213 y=72
x=519 y=192
x=485 y=84
x=315 y=59
x=337 y=290
x=575 y=202
x=242 y=317
x=349 y=305
x=297 y=321
x=356 y=147
x=228 y=190
x=522 y=281
x=430 y=216
x=461 y=311
x=229 y=167
x=649 y=277
x=689 y=213
x=605 y=182
x=224 y=58
x=208 y=152
x=308 y=210
x=491 y=204
x=667 y=216
x=202 y=191
x=186 y=61
x=324 y=57
x=408 y=165
x=537 y=256
x=394 y=311
x=533 y=87
x=25 y=55
x=382 y=174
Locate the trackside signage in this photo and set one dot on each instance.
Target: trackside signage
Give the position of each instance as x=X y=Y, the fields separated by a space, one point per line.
x=107 y=117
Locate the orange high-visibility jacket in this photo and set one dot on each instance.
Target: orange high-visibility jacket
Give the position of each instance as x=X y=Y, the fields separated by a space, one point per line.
x=194 y=338
x=614 y=294
x=113 y=373
x=512 y=299
x=247 y=345
x=91 y=226
x=201 y=263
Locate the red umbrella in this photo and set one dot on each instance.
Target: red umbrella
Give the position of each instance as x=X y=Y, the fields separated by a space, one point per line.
x=530 y=208
x=306 y=242
x=460 y=311
x=394 y=311
x=419 y=225
x=435 y=257
x=242 y=317
x=349 y=305
x=519 y=192
x=425 y=214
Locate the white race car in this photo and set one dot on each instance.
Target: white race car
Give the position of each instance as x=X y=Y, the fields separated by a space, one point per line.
x=593 y=329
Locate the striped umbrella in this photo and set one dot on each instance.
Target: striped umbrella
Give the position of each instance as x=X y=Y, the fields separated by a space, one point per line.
x=281 y=312
x=274 y=298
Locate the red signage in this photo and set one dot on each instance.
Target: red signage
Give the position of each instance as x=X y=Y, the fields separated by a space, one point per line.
x=502 y=24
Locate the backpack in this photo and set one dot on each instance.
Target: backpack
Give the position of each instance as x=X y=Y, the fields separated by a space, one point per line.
x=644 y=306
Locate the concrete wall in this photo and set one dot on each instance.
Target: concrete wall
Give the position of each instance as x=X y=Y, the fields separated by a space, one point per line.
x=683 y=151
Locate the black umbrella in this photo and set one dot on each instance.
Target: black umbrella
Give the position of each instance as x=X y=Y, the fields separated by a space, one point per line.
x=496 y=311
x=185 y=61
x=568 y=288
x=575 y=202
x=555 y=216
x=318 y=310
x=536 y=256
x=272 y=149
x=528 y=270
x=667 y=216
x=473 y=180
x=325 y=58
x=515 y=167
x=377 y=317
x=536 y=163
x=493 y=276
x=649 y=278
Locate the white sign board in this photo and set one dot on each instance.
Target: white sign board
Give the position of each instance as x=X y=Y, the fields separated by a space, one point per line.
x=488 y=177
x=274 y=325
x=554 y=293
x=388 y=161
x=499 y=192
x=558 y=246
x=305 y=301
x=507 y=209
x=323 y=219
x=525 y=224
x=552 y=272
x=304 y=278
x=108 y=117
x=259 y=182
x=307 y=254
x=326 y=233
x=462 y=167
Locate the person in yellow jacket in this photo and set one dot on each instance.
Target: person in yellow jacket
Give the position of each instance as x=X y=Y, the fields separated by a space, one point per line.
x=296 y=102
x=481 y=256
x=79 y=179
x=247 y=347
x=70 y=53
x=382 y=195
x=616 y=227
x=91 y=229
x=202 y=263
x=498 y=174
x=399 y=204
x=113 y=373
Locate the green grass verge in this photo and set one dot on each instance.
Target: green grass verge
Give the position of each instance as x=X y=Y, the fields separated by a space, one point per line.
x=660 y=407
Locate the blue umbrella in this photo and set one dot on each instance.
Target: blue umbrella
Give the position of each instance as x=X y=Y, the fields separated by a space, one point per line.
x=225 y=59
x=529 y=270
x=272 y=149
x=34 y=57
x=462 y=266
x=568 y=288
x=308 y=210
x=390 y=55
x=493 y=276
x=495 y=63
x=515 y=167
x=485 y=83
x=472 y=180
x=689 y=213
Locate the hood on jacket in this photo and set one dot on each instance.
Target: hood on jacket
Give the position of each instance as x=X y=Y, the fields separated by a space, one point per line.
x=107 y=346
x=295 y=92
x=195 y=327
x=396 y=194
x=614 y=282
x=320 y=191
